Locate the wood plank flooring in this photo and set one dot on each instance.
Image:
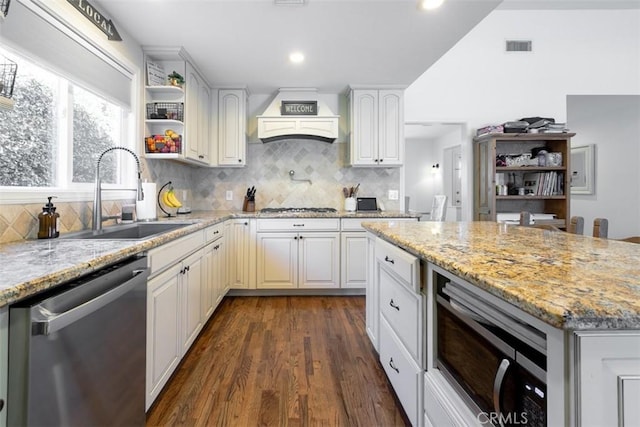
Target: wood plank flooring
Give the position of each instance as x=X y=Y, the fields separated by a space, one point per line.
x=281 y=361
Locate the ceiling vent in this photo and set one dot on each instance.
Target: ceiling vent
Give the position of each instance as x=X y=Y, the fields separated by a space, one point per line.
x=519 y=46
x=289 y=2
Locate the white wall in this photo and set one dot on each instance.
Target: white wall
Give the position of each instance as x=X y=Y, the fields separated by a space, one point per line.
x=574 y=52
x=420 y=183
x=612 y=124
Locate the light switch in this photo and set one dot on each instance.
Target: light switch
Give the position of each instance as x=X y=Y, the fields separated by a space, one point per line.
x=393 y=194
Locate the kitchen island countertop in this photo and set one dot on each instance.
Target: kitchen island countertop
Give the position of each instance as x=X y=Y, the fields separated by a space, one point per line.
x=33 y=266
x=568 y=281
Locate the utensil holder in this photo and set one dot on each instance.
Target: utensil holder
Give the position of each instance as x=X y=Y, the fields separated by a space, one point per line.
x=350 y=204
x=249 y=205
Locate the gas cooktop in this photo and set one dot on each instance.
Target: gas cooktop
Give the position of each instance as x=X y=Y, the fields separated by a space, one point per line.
x=300 y=210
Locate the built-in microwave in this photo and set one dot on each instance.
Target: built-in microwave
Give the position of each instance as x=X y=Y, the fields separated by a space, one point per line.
x=495 y=362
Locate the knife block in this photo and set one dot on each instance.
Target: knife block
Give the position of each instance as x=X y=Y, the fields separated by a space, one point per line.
x=249 y=205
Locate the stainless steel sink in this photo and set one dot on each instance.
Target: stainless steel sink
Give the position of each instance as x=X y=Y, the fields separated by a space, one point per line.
x=136 y=231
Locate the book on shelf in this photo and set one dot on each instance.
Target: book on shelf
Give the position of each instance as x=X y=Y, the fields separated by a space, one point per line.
x=543 y=183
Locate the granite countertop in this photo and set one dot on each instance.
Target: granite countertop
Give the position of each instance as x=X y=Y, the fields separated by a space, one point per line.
x=36 y=265
x=568 y=281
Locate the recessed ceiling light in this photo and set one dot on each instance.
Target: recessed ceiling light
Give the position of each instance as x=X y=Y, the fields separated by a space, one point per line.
x=430 y=4
x=296 y=57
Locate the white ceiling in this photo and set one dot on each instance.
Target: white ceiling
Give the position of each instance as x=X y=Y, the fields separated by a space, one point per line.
x=247 y=42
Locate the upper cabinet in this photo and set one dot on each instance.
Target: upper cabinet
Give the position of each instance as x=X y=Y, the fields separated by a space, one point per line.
x=232 y=125
x=177 y=114
x=376 y=126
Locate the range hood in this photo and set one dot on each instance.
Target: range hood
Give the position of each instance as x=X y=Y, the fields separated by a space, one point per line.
x=273 y=125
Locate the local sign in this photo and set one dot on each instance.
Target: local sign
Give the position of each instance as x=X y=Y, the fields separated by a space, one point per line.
x=104 y=24
x=299 y=108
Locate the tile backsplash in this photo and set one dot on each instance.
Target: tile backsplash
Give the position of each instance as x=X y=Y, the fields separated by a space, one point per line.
x=267 y=168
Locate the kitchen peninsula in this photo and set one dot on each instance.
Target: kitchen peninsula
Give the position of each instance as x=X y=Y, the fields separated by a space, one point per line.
x=579 y=295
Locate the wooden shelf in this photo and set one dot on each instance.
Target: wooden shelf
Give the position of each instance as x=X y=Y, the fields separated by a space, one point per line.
x=530 y=168
x=563 y=197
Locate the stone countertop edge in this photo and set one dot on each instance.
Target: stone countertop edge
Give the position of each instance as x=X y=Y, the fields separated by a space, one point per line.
x=34 y=266
x=568 y=281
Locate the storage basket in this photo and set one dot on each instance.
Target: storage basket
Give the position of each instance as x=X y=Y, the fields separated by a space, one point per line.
x=7 y=78
x=163 y=144
x=165 y=110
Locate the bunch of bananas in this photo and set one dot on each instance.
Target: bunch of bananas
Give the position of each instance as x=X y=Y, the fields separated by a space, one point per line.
x=169 y=198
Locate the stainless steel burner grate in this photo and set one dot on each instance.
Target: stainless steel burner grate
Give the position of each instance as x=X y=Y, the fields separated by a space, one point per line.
x=300 y=210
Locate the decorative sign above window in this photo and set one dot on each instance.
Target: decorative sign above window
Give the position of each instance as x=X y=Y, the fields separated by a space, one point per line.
x=105 y=25
x=299 y=108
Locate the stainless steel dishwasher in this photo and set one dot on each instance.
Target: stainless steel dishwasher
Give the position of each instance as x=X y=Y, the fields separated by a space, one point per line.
x=77 y=352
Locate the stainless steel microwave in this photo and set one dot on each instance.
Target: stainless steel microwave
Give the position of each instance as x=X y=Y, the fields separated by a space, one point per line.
x=494 y=361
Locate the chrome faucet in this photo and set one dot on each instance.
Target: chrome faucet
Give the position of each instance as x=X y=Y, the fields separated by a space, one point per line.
x=97 y=197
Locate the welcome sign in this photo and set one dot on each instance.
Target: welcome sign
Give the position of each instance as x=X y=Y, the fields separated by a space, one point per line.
x=299 y=108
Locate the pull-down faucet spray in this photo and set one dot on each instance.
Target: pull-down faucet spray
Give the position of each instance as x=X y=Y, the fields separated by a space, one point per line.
x=97 y=197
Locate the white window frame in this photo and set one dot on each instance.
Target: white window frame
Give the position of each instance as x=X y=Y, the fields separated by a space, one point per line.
x=68 y=191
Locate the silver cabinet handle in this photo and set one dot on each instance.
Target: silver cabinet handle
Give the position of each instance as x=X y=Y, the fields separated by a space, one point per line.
x=393 y=304
x=386 y=258
x=497 y=388
x=48 y=323
x=393 y=366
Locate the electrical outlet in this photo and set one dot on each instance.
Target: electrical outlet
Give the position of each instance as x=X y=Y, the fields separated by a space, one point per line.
x=393 y=194
x=229 y=195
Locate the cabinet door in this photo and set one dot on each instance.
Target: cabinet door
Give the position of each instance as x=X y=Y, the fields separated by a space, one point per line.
x=485 y=194
x=390 y=127
x=218 y=266
x=191 y=299
x=319 y=255
x=232 y=140
x=608 y=375
x=163 y=330
x=191 y=114
x=355 y=259
x=204 y=141
x=209 y=282
x=240 y=244
x=277 y=265
x=4 y=362
x=372 y=313
x=364 y=127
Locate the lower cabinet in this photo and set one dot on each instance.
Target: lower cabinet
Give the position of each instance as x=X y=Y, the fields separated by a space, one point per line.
x=213 y=276
x=4 y=363
x=241 y=253
x=401 y=319
x=355 y=259
x=608 y=378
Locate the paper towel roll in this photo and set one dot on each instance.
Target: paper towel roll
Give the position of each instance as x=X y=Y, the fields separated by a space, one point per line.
x=146 y=209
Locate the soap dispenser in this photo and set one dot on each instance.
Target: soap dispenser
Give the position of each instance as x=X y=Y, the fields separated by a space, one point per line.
x=48 y=220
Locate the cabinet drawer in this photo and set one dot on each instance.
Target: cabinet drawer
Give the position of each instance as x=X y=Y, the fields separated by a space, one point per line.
x=403 y=311
x=405 y=376
x=299 y=224
x=355 y=224
x=213 y=233
x=166 y=255
x=404 y=265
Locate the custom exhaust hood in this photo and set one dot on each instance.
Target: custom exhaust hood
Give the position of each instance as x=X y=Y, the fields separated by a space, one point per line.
x=297 y=114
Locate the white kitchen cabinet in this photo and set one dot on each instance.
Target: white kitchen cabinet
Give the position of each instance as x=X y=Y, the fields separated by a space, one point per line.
x=197 y=118
x=298 y=260
x=298 y=253
x=241 y=253
x=4 y=363
x=401 y=325
x=232 y=125
x=355 y=253
x=174 y=307
x=213 y=270
x=163 y=330
x=377 y=127
x=607 y=372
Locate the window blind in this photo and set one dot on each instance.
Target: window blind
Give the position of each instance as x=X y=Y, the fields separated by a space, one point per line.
x=74 y=57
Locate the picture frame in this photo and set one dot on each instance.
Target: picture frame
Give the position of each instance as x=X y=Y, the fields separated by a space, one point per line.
x=582 y=173
x=155 y=74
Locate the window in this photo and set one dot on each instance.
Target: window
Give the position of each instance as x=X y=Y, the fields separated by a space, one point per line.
x=55 y=132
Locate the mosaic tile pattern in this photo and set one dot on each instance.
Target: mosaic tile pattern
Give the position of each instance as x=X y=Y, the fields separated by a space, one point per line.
x=268 y=167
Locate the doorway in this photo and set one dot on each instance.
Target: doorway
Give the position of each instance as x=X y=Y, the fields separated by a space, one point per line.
x=434 y=165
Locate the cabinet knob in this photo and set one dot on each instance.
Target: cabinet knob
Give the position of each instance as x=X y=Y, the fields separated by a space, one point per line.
x=389 y=260
x=200 y=156
x=381 y=160
x=239 y=160
x=246 y=223
x=376 y=160
x=295 y=237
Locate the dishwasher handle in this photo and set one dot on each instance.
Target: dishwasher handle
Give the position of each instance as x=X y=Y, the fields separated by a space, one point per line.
x=45 y=322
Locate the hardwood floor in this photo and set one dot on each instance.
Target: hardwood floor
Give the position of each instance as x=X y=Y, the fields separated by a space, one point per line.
x=281 y=361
